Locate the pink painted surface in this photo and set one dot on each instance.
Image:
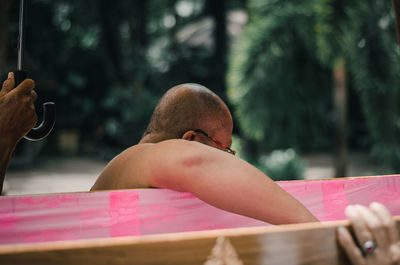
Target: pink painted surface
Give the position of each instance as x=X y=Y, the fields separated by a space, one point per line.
x=55 y=217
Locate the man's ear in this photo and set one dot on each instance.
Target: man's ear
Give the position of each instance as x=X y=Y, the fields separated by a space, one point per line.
x=189 y=135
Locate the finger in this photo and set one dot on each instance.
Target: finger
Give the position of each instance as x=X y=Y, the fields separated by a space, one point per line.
x=384 y=215
x=375 y=225
x=396 y=253
x=359 y=227
x=25 y=87
x=30 y=112
x=35 y=117
x=8 y=84
x=351 y=249
x=33 y=96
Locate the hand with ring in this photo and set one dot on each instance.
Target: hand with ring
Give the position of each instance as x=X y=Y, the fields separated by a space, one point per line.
x=376 y=234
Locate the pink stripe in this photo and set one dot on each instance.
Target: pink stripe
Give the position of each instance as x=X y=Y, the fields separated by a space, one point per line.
x=124 y=213
x=334 y=199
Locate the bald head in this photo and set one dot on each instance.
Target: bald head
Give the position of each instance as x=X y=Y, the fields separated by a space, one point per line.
x=187 y=107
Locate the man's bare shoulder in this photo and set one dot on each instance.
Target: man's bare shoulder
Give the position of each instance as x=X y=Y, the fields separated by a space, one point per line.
x=114 y=175
x=132 y=167
x=138 y=148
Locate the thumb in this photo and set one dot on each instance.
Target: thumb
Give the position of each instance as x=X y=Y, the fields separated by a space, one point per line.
x=9 y=83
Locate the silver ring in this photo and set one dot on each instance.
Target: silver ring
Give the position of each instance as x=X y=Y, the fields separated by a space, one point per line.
x=369 y=247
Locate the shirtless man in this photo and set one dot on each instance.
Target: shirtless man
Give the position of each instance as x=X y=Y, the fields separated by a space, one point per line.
x=17 y=118
x=186 y=147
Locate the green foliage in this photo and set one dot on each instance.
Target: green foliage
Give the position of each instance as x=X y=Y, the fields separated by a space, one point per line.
x=129 y=115
x=106 y=63
x=280 y=91
x=331 y=29
x=280 y=79
x=375 y=66
x=282 y=165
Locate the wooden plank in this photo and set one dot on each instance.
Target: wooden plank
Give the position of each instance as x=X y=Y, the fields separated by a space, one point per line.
x=312 y=243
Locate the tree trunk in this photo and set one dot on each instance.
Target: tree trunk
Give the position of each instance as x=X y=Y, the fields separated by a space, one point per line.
x=218 y=12
x=111 y=40
x=173 y=31
x=140 y=24
x=396 y=7
x=340 y=108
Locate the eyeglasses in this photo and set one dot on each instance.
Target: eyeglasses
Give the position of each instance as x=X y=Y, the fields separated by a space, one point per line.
x=225 y=148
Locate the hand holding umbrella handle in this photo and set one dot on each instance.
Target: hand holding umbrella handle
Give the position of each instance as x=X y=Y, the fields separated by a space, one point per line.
x=47 y=124
x=49 y=115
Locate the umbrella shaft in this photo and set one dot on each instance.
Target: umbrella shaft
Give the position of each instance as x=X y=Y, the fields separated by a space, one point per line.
x=21 y=37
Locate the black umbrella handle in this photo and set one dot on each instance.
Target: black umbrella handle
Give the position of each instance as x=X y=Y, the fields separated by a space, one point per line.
x=49 y=114
x=19 y=76
x=47 y=124
x=49 y=108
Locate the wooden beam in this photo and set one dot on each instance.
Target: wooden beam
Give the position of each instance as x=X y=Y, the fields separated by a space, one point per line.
x=312 y=243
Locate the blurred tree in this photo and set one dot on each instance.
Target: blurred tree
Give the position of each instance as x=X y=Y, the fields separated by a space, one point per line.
x=332 y=32
x=105 y=63
x=375 y=67
x=280 y=77
x=217 y=10
x=282 y=165
x=396 y=7
x=279 y=88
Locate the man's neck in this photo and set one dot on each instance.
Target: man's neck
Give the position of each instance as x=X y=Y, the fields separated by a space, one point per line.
x=152 y=138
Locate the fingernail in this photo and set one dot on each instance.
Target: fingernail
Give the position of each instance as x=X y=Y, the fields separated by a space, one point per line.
x=350 y=211
x=9 y=75
x=374 y=204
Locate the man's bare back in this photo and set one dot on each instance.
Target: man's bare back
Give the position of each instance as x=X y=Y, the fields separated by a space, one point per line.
x=185 y=148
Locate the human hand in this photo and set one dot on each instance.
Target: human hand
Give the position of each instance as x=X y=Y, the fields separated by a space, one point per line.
x=376 y=226
x=17 y=112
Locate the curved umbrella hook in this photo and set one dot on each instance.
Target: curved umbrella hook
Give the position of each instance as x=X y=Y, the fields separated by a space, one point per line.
x=49 y=115
x=47 y=124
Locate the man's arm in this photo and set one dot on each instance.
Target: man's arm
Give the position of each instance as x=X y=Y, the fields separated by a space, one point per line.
x=214 y=176
x=17 y=118
x=5 y=156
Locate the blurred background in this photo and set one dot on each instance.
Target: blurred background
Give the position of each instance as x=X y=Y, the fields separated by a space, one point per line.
x=314 y=85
